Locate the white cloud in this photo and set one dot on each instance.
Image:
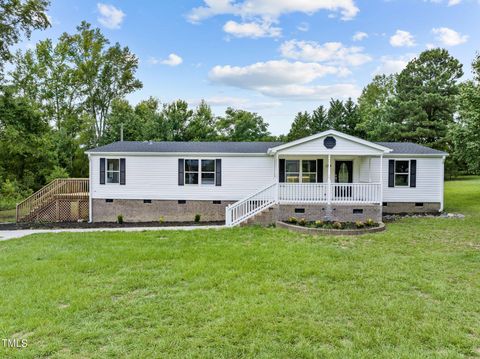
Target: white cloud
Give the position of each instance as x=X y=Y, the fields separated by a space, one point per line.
x=270 y=9
x=237 y=102
x=402 y=38
x=110 y=16
x=359 y=36
x=449 y=37
x=329 y=52
x=171 y=60
x=449 y=3
x=304 y=27
x=390 y=65
x=252 y=29
x=283 y=79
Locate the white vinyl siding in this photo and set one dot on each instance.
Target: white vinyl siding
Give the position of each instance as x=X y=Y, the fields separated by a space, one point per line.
x=342 y=147
x=156 y=177
x=429 y=182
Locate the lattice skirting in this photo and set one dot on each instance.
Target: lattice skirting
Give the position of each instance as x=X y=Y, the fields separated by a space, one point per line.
x=61 y=210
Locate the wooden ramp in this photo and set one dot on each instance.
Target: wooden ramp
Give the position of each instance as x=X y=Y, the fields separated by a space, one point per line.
x=62 y=200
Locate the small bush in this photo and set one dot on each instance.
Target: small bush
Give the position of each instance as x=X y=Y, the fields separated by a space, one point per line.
x=120 y=219
x=292 y=220
x=370 y=222
x=57 y=172
x=302 y=222
x=319 y=224
x=359 y=224
x=197 y=218
x=337 y=225
x=161 y=220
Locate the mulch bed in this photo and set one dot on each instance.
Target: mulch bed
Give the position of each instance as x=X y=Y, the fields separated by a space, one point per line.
x=73 y=225
x=329 y=231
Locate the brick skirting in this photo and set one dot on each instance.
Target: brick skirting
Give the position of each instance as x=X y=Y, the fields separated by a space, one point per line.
x=409 y=207
x=134 y=210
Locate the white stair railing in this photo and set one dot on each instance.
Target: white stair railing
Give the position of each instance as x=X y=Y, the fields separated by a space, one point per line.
x=248 y=207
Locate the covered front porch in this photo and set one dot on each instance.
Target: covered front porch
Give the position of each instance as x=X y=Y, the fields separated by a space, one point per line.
x=328 y=179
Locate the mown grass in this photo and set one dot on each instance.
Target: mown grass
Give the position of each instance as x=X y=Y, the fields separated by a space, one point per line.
x=410 y=292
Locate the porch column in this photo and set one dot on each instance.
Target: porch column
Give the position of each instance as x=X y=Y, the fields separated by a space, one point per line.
x=381 y=180
x=329 y=199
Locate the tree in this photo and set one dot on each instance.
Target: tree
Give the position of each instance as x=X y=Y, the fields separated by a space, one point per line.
x=466 y=134
x=426 y=98
x=176 y=117
x=301 y=126
x=18 y=19
x=103 y=73
x=26 y=149
x=374 y=107
x=319 y=120
x=202 y=127
x=123 y=116
x=240 y=125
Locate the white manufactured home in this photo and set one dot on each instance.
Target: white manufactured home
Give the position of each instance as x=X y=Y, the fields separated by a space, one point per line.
x=330 y=176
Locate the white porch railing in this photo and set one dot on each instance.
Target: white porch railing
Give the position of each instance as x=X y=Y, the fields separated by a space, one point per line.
x=302 y=193
x=248 y=207
x=335 y=193
x=356 y=192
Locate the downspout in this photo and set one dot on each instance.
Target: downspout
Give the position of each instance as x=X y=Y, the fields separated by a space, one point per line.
x=442 y=195
x=381 y=182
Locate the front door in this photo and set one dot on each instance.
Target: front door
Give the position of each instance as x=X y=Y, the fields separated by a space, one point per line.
x=344 y=171
x=343 y=174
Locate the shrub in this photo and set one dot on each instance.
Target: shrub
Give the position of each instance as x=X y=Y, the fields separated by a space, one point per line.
x=337 y=225
x=359 y=224
x=292 y=220
x=319 y=224
x=302 y=222
x=120 y=219
x=370 y=222
x=161 y=220
x=197 y=218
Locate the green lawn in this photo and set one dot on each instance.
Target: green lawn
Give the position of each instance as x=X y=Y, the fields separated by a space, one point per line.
x=410 y=292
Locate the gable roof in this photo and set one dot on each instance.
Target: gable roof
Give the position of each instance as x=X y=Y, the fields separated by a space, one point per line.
x=184 y=147
x=409 y=148
x=330 y=133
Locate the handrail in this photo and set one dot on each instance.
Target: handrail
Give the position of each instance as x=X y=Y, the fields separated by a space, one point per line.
x=249 y=206
x=47 y=194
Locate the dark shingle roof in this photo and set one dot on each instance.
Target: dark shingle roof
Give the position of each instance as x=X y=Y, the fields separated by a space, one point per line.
x=410 y=148
x=237 y=147
x=187 y=147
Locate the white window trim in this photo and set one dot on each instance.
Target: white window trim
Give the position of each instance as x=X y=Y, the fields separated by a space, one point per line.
x=200 y=172
x=300 y=170
x=107 y=171
x=401 y=173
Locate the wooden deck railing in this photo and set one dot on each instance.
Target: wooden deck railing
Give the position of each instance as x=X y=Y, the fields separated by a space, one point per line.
x=76 y=187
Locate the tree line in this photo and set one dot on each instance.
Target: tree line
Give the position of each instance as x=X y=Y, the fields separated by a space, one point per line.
x=65 y=96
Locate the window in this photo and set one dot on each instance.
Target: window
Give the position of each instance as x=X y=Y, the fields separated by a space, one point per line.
x=304 y=171
x=292 y=171
x=309 y=171
x=191 y=171
x=208 y=172
x=402 y=173
x=113 y=170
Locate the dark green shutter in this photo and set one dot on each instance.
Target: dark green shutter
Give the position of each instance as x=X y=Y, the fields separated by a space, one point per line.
x=391 y=173
x=181 y=172
x=319 y=171
x=122 y=171
x=281 y=170
x=218 y=172
x=413 y=173
x=102 y=170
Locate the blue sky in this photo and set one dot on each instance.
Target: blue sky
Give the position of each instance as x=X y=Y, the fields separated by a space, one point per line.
x=274 y=57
